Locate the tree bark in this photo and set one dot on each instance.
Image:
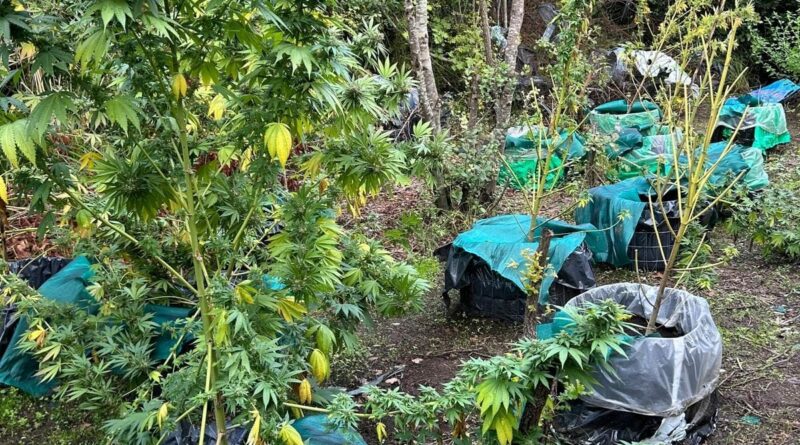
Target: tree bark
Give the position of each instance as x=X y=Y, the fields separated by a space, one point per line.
x=417 y=16
x=487 y=32
x=503 y=105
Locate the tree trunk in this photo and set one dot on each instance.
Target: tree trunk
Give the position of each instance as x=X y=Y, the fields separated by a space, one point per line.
x=503 y=105
x=474 y=98
x=417 y=16
x=487 y=33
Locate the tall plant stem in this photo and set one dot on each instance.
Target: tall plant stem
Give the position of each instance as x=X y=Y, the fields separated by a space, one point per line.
x=199 y=268
x=673 y=256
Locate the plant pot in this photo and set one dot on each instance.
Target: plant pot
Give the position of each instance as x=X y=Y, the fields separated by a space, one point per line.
x=661 y=376
x=645 y=248
x=485 y=293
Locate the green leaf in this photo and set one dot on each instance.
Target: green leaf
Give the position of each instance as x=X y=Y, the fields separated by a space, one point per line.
x=298 y=55
x=325 y=339
x=110 y=9
x=93 y=49
x=8 y=144
x=55 y=105
x=121 y=110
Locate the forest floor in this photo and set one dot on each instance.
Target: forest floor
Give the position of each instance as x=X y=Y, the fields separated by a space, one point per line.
x=755 y=302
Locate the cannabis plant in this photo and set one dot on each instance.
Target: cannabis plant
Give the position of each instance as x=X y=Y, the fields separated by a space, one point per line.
x=200 y=151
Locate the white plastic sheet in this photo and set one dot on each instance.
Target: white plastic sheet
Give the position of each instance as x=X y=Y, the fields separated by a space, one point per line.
x=655 y=63
x=660 y=376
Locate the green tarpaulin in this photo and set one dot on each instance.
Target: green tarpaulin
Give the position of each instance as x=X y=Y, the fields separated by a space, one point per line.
x=732 y=165
x=522 y=155
x=630 y=197
x=603 y=211
x=525 y=138
x=68 y=286
x=767 y=119
x=319 y=429
x=612 y=117
x=521 y=171
x=501 y=240
x=649 y=154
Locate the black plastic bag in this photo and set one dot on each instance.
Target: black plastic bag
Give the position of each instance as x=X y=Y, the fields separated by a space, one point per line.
x=591 y=425
x=485 y=293
x=188 y=434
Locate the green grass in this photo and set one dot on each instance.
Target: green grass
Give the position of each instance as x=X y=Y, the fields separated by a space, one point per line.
x=28 y=420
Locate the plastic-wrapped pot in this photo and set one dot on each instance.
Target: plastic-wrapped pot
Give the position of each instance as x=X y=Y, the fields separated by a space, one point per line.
x=661 y=376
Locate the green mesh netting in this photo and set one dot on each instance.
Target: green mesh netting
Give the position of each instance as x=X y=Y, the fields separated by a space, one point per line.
x=501 y=240
x=612 y=117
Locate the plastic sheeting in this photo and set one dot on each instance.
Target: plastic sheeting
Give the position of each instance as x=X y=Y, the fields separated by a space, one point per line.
x=500 y=242
x=591 y=425
x=768 y=120
x=660 y=376
x=776 y=92
x=610 y=245
x=655 y=64
x=613 y=117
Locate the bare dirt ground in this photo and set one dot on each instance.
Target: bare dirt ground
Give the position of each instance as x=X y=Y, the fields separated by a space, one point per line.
x=755 y=303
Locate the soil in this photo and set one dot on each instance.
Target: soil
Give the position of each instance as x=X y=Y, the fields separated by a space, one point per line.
x=755 y=303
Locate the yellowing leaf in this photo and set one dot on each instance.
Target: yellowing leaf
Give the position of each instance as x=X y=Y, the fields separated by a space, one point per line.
x=278 y=140
x=312 y=166
x=83 y=219
x=217 y=107
x=304 y=391
x=320 y=367
x=155 y=376
x=163 y=411
x=247 y=159
x=3 y=191
x=37 y=335
x=254 y=437
x=380 y=430
x=290 y=436
x=221 y=328
x=179 y=86
x=27 y=51
x=226 y=154
x=323 y=185
x=290 y=309
x=18 y=6
x=88 y=159
x=244 y=292
x=325 y=339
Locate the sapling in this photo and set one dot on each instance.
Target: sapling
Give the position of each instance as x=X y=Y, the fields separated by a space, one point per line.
x=693 y=167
